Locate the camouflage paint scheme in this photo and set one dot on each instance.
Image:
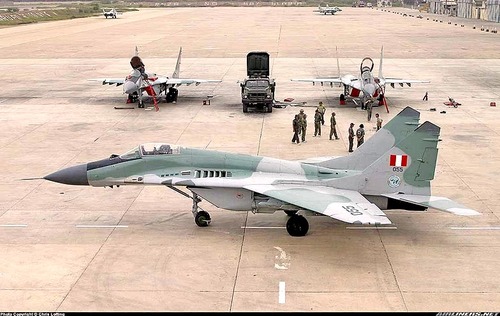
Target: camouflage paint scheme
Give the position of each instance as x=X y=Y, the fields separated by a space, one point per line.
x=393 y=169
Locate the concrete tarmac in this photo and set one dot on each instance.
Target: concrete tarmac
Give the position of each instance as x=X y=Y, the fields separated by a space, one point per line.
x=71 y=248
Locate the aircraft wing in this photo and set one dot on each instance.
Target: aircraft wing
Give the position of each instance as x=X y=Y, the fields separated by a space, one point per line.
x=344 y=205
x=179 y=81
x=110 y=81
x=437 y=202
x=401 y=81
x=321 y=80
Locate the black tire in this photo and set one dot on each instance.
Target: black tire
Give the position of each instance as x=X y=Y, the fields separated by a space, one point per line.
x=290 y=213
x=245 y=108
x=269 y=108
x=202 y=219
x=297 y=226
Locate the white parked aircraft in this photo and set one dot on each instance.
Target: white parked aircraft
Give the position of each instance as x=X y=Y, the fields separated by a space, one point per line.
x=365 y=87
x=111 y=13
x=328 y=9
x=140 y=81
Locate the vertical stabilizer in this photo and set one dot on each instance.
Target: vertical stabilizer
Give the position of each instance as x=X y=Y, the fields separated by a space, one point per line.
x=394 y=131
x=178 y=65
x=406 y=168
x=380 y=75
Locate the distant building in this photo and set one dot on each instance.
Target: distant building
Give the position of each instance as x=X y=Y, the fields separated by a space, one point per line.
x=488 y=10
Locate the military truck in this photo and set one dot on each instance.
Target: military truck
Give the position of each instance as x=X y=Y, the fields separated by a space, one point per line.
x=258 y=89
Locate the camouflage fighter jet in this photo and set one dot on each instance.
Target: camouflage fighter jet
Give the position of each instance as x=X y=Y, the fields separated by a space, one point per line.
x=396 y=175
x=327 y=9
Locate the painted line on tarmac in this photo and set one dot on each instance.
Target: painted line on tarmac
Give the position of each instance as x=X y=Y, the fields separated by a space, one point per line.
x=477 y=228
x=101 y=226
x=257 y=227
x=369 y=227
x=14 y=225
x=281 y=297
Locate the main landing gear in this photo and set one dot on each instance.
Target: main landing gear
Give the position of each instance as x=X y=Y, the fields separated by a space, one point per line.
x=201 y=217
x=297 y=225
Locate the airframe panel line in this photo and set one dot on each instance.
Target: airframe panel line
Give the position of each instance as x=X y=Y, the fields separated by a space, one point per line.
x=14 y=225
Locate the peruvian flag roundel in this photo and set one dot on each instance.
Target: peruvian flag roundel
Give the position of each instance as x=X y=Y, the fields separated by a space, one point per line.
x=399 y=161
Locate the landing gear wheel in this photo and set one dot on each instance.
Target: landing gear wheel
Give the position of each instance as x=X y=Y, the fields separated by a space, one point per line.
x=245 y=108
x=297 y=226
x=269 y=108
x=202 y=218
x=141 y=105
x=290 y=213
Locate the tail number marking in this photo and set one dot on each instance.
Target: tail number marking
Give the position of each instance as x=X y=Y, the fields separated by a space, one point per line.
x=352 y=210
x=397 y=169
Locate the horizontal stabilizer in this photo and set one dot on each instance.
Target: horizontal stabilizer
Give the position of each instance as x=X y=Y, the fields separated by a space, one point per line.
x=437 y=202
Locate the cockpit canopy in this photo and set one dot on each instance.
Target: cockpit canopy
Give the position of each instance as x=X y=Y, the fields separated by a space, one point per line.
x=151 y=149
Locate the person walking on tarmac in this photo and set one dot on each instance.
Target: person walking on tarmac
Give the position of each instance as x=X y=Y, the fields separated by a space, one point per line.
x=317 y=123
x=322 y=109
x=369 y=108
x=296 y=129
x=333 y=123
x=379 y=121
x=303 y=124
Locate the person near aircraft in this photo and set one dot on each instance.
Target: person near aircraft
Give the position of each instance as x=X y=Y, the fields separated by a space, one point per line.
x=360 y=134
x=296 y=129
x=369 y=108
x=322 y=110
x=351 y=137
x=426 y=96
x=379 y=121
x=317 y=123
x=333 y=130
x=303 y=124
x=171 y=96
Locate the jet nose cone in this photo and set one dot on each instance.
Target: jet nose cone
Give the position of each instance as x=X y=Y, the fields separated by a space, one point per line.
x=76 y=175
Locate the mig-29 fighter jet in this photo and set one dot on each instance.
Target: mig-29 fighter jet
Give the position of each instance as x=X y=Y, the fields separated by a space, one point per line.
x=328 y=10
x=391 y=170
x=140 y=81
x=110 y=13
x=366 y=87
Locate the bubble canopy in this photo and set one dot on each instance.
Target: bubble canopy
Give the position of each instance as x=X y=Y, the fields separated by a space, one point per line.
x=151 y=149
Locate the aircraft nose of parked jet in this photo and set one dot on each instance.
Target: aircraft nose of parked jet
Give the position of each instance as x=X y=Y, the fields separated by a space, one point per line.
x=76 y=175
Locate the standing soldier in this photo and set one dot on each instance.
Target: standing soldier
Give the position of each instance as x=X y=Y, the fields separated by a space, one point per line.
x=322 y=109
x=360 y=135
x=303 y=124
x=317 y=123
x=296 y=129
x=379 y=121
x=333 y=131
x=426 y=96
x=351 y=136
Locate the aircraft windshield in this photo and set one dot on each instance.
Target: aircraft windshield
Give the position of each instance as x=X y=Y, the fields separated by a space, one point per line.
x=159 y=149
x=131 y=154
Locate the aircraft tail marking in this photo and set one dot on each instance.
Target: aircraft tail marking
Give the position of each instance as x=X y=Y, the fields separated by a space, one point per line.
x=394 y=131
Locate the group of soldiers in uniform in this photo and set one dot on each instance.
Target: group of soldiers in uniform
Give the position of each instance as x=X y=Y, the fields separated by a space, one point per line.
x=299 y=124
